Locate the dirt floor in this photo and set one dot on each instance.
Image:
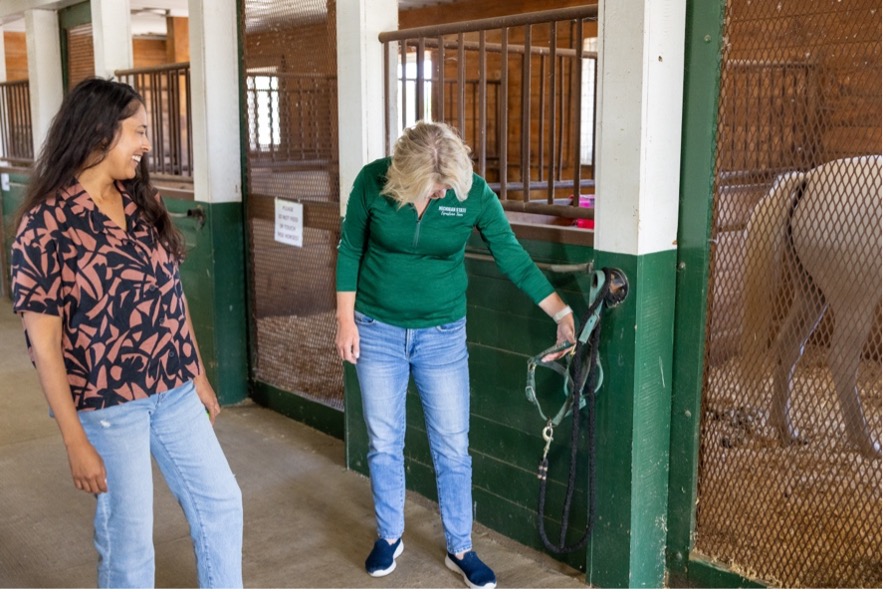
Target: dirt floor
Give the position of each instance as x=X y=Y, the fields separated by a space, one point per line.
x=804 y=515
x=297 y=354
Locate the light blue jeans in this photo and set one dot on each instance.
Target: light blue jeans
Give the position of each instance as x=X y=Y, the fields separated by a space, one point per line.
x=437 y=358
x=173 y=427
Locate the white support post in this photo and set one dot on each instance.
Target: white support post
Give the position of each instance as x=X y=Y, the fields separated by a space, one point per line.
x=215 y=100
x=2 y=55
x=641 y=103
x=361 y=90
x=44 y=71
x=111 y=36
x=2 y=79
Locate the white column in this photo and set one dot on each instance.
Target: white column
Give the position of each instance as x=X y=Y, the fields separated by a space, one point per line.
x=215 y=100
x=361 y=100
x=2 y=79
x=18 y=7
x=640 y=118
x=2 y=55
x=44 y=71
x=111 y=36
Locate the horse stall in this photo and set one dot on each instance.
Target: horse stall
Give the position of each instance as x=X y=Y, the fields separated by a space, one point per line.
x=790 y=470
x=291 y=120
x=292 y=134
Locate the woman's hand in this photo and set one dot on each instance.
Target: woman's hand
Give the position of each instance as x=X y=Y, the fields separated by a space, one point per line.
x=207 y=396
x=566 y=329
x=45 y=334
x=87 y=468
x=554 y=306
x=347 y=340
x=565 y=336
x=347 y=336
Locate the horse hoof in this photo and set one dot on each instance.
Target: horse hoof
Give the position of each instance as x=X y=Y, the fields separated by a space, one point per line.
x=788 y=436
x=869 y=447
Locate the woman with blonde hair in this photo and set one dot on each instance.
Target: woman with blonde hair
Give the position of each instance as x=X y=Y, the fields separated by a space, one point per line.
x=401 y=304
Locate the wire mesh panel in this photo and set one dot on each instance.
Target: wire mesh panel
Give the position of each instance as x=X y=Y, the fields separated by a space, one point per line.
x=790 y=469
x=292 y=135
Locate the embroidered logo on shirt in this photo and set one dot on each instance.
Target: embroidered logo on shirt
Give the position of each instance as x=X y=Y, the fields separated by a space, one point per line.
x=450 y=211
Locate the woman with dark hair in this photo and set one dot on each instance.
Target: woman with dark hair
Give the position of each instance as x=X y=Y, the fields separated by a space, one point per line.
x=95 y=277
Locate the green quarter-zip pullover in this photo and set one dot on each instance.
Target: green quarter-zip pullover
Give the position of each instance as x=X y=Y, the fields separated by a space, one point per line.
x=409 y=271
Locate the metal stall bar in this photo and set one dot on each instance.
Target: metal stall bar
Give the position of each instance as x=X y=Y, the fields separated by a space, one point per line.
x=15 y=123
x=552 y=114
x=439 y=81
x=526 y=132
x=481 y=90
x=557 y=96
x=503 y=118
x=576 y=112
x=461 y=85
x=167 y=94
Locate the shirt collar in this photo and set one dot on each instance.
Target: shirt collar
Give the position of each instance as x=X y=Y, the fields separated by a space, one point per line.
x=82 y=203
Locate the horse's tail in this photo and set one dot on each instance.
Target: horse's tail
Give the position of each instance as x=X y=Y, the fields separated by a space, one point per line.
x=766 y=237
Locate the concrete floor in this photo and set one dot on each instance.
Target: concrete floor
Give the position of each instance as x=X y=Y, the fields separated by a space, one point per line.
x=308 y=521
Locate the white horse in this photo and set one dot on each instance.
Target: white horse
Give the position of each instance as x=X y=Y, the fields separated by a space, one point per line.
x=829 y=222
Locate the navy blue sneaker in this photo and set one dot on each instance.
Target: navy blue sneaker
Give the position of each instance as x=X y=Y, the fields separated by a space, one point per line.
x=475 y=573
x=381 y=560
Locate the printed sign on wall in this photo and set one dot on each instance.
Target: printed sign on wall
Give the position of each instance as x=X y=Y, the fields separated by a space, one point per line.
x=288 y=222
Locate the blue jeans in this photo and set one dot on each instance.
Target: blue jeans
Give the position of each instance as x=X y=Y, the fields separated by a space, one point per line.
x=437 y=358
x=173 y=427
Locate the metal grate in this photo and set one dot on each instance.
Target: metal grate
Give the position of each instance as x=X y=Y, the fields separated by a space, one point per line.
x=292 y=133
x=790 y=472
x=521 y=91
x=16 y=140
x=167 y=93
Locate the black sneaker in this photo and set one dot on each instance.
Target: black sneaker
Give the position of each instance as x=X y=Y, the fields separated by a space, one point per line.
x=475 y=573
x=381 y=560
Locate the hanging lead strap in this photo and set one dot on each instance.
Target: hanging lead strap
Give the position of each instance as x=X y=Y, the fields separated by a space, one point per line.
x=562 y=366
x=583 y=376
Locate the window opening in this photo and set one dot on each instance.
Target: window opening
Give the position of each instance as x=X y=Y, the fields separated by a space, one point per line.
x=263 y=107
x=588 y=99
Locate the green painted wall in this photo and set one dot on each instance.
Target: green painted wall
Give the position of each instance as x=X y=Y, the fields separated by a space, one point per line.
x=213 y=276
x=12 y=198
x=634 y=425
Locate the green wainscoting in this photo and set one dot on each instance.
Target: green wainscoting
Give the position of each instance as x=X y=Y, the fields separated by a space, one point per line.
x=12 y=195
x=213 y=277
x=634 y=426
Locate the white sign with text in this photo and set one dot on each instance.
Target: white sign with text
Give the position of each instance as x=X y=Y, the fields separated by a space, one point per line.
x=288 y=222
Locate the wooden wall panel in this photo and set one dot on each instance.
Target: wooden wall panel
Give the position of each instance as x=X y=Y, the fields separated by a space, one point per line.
x=16 y=56
x=469 y=10
x=842 y=45
x=148 y=52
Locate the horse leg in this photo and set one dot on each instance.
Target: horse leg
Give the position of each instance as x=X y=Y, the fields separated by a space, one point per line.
x=851 y=331
x=804 y=315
